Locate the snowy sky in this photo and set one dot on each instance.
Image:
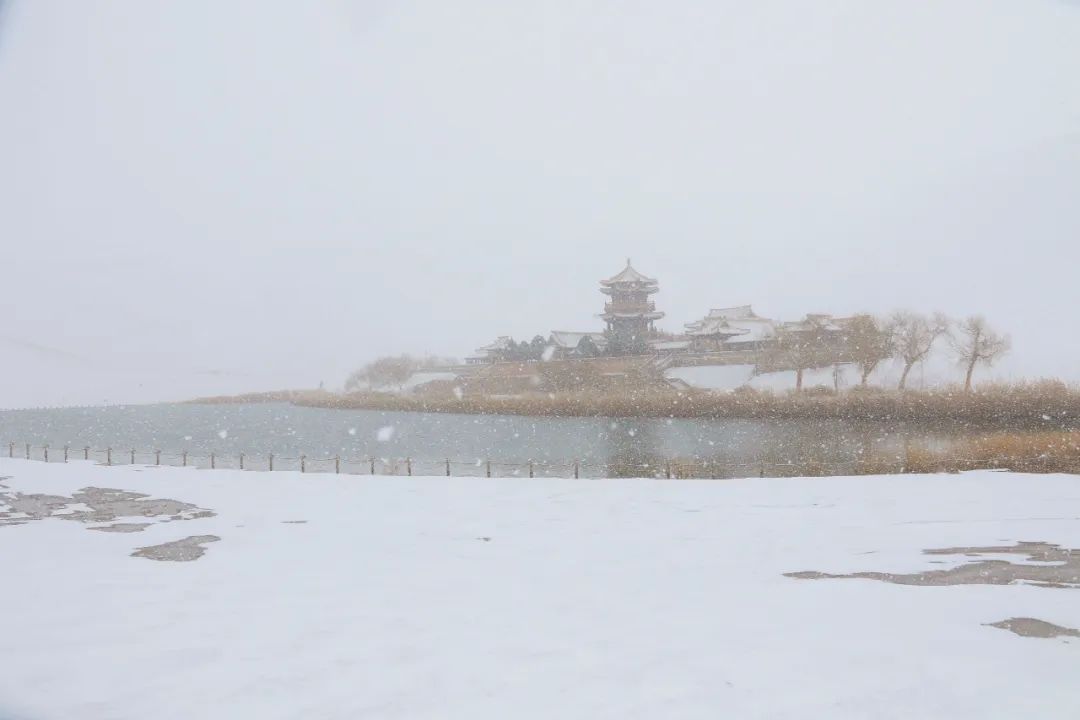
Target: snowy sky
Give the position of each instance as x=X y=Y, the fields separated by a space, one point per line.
x=284 y=190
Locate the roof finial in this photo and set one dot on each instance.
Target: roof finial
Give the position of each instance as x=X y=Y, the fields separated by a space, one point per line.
x=627 y=262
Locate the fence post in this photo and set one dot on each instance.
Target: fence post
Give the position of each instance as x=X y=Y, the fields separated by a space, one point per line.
x=762 y=474
x=108 y=456
x=65 y=453
x=86 y=453
x=372 y=459
x=183 y=462
x=447 y=467
x=27 y=451
x=667 y=469
x=46 y=448
x=303 y=463
x=132 y=456
x=531 y=469
x=241 y=461
x=489 y=468
x=575 y=469
x=337 y=464
x=408 y=466
x=271 y=462
x=157 y=457
x=213 y=463
x=11 y=450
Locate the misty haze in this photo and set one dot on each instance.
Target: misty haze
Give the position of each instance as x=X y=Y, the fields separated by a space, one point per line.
x=539 y=359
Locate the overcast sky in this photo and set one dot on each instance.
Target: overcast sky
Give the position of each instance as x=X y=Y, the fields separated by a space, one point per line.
x=288 y=189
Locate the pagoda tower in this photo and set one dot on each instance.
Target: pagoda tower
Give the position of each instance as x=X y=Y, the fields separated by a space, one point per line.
x=629 y=313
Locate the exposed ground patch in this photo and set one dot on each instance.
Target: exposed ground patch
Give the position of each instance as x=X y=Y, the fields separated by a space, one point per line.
x=183 y=550
x=122 y=527
x=1033 y=627
x=94 y=505
x=1048 y=565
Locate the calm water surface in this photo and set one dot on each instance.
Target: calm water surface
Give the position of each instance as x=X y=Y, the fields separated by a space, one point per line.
x=600 y=446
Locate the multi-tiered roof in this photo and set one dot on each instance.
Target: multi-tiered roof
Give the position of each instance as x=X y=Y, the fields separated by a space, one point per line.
x=629 y=313
x=629 y=291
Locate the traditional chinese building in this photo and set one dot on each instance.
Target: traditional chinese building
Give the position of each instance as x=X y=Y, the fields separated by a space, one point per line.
x=630 y=314
x=491 y=353
x=826 y=332
x=731 y=328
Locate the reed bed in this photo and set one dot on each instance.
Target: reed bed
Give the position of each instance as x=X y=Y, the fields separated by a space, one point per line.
x=1046 y=405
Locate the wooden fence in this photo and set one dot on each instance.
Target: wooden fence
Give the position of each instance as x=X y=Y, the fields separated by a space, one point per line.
x=674 y=468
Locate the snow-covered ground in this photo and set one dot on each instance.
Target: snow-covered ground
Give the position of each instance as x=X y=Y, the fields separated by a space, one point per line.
x=356 y=597
x=938 y=373
x=422 y=378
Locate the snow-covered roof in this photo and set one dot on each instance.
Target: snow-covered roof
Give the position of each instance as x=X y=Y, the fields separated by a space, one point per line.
x=716 y=326
x=739 y=323
x=757 y=329
x=629 y=275
x=737 y=312
x=569 y=340
x=501 y=343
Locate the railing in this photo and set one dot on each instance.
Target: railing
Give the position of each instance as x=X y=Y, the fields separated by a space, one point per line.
x=673 y=468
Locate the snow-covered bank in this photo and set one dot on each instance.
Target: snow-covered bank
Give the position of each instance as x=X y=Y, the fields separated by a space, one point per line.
x=349 y=597
x=941 y=372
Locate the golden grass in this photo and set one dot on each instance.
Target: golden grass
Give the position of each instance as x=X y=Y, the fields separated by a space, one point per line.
x=311 y=398
x=1030 y=406
x=1033 y=452
x=1044 y=452
x=1028 y=427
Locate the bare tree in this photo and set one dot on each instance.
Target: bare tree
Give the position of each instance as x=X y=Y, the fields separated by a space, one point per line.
x=913 y=337
x=392 y=371
x=869 y=342
x=799 y=347
x=355 y=381
x=976 y=343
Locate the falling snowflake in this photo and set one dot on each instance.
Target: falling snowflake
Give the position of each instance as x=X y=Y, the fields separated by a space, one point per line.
x=352 y=431
x=458 y=393
x=384 y=434
x=223 y=434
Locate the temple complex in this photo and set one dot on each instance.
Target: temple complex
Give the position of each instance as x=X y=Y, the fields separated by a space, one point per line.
x=725 y=335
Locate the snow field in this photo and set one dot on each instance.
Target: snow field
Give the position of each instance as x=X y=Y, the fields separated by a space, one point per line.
x=476 y=598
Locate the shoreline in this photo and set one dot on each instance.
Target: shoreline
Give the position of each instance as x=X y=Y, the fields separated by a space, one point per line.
x=1047 y=406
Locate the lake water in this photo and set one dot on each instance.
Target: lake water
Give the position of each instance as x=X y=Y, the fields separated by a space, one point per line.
x=366 y=440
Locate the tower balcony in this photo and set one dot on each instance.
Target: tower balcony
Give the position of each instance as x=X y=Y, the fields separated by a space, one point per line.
x=633 y=290
x=626 y=308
